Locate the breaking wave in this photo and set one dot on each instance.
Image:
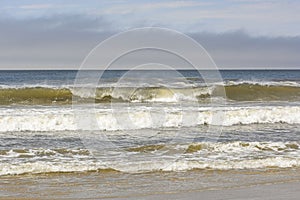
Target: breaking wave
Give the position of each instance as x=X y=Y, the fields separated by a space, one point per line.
x=235 y=91
x=140 y=117
x=205 y=155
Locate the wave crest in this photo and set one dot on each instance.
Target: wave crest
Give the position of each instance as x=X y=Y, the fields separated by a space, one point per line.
x=234 y=92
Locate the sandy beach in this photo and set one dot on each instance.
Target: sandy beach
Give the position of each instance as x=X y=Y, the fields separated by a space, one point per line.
x=197 y=184
x=277 y=191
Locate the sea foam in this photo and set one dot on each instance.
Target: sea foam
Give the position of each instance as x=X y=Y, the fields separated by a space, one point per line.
x=139 y=117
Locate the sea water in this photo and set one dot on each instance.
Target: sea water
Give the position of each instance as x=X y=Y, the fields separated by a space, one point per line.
x=135 y=127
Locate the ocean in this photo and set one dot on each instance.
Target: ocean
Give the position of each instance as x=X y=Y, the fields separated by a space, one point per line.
x=138 y=133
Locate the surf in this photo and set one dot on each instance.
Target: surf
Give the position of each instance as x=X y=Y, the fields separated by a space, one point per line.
x=235 y=91
x=141 y=117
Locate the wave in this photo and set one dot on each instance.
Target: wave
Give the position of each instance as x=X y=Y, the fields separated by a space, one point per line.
x=142 y=167
x=257 y=92
x=140 y=117
x=205 y=155
x=235 y=91
x=35 y=96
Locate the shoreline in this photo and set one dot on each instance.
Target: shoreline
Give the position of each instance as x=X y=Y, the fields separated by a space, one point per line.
x=273 y=191
x=270 y=191
x=242 y=185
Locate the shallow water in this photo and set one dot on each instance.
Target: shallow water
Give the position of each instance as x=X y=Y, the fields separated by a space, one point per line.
x=109 y=184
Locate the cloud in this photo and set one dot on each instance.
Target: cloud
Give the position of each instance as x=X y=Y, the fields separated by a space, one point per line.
x=239 y=50
x=61 y=40
x=142 y=7
x=270 y=17
x=37 y=6
x=64 y=40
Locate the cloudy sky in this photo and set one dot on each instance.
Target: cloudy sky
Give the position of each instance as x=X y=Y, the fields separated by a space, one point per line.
x=236 y=33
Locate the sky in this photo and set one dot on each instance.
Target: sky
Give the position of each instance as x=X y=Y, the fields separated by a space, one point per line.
x=238 y=34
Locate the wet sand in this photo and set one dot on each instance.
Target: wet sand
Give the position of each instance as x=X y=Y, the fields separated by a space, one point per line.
x=197 y=184
x=278 y=191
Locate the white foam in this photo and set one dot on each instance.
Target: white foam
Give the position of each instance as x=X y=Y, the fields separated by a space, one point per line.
x=45 y=167
x=264 y=83
x=146 y=166
x=123 y=118
x=221 y=156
